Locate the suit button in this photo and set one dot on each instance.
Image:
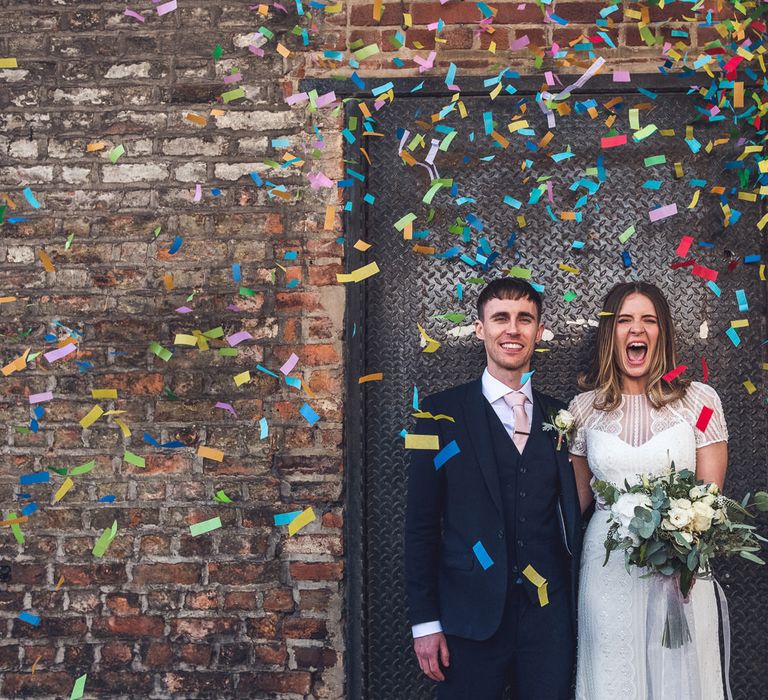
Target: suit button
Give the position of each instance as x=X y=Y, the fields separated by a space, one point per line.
x=522 y=494
x=520 y=544
x=523 y=470
x=500 y=534
x=522 y=518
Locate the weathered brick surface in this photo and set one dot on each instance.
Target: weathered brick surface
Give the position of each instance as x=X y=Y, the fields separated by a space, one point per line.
x=243 y=611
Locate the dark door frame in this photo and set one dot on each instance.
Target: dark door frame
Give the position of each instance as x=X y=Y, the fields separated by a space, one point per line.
x=354 y=330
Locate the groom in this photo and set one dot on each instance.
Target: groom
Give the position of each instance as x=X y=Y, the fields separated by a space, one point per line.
x=493 y=532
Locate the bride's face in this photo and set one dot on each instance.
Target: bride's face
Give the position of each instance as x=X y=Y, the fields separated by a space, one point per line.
x=636 y=335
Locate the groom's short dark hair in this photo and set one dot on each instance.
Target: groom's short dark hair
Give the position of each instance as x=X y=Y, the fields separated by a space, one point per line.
x=508 y=288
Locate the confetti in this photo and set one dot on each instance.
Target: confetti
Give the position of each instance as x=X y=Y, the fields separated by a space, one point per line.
x=482 y=555
x=204 y=527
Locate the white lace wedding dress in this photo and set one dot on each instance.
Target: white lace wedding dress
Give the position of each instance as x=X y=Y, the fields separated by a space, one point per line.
x=633 y=439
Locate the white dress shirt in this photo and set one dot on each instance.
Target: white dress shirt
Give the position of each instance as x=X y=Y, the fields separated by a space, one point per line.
x=494 y=392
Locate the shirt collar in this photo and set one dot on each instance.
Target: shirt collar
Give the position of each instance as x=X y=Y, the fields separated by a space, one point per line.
x=493 y=389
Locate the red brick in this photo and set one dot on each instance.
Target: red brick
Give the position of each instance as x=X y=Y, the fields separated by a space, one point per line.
x=454 y=13
x=279 y=600
x=362 y=15
x=304 y=628
x=198 y=629
x=196 y=654
x=240 y=600
x=138 y=626
x=24 y=685
x=117 y=653
x=157 y=654
x=78 y=575
x=178 y=574
x=283 y=682
x=314 y=658
x=234 y=574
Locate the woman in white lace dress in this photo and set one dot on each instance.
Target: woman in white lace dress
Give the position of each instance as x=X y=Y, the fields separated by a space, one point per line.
x=629 y=422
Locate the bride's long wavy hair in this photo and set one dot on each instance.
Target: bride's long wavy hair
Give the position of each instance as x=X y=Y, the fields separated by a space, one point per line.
x=604 y=377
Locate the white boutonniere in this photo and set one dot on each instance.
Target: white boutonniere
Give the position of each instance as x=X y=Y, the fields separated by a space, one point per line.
x=563 y=422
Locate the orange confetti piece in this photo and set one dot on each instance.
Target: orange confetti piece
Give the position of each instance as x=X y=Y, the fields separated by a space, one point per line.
x=95 y=146
x=378 y=10
x=283 y=51
x=168 y=281
x=34 y=665
x=46 y=260
x=210 y=453
x=16 y=365
x=424 y=249
x=361 y=245
x=59 y=584
x=330 y=217
x=196 y=119
x=14 y=521
x=375 y=377
x=5 y=300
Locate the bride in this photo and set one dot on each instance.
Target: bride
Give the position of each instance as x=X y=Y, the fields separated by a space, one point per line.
x=629 y=422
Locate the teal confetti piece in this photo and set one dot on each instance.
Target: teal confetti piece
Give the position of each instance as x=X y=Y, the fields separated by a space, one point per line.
x=714 y=288
x=286 y=518
x=524 y=379
x=733 y=334
x=450 y=450
x=741 y=300
x=27 y=191
x=569 y=296
x=263 y=429
x=309 y=414
x=482 y=555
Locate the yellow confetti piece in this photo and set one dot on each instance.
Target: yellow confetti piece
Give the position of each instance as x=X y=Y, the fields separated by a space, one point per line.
x=62 y=491
x=48 y=265
x=184 y=339
x=210 y=453
x=694 y=200
x=432 y=344
x=361 y=245
x=309 y=391
x=375 y=377
x=300 y=521
x=330 y=217
x=378 y=10
x=427 y=414
x=761 y=224
x=59 y=583
x=95 y=146
x=358 y=275
x=740 y=323
x=91 y=417
x=123 y=428
x=104 y=393
x=8 y=63
x=568 y=268
x=7 y=300
x=749 y=386
x=516 y=126
x=283 y=51
x=422 y=442
x=539 y=581
x=37 y=661
x=242 y=378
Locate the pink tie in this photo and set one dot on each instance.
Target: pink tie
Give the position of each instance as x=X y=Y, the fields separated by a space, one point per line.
x=516 y=401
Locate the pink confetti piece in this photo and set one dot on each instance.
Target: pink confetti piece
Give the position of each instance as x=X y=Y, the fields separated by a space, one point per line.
x=296 y=98
x=226 y=407
x=290 y=363
x=519 y=43
x=233 y=307
x=183 y=310
x=621 y=76
x=548 y=77
x=39 y=398
x=58 y=353
x=256 y=50
x=198 y=193
x=425 y=64
x=326 y=99
x=318 y=180
x=239 y=337
x=662 y=212
x=233 y=78
x=165 y=8
x=280 y=7
x=134 y=15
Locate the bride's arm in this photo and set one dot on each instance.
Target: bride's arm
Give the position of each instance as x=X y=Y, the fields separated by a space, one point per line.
x=711 y=463
x=583 y=478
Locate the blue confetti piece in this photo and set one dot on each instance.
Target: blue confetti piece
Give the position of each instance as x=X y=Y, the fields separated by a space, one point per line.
x=369 y=198
x=382 y=88
x=714 y=288
x=175 y=245
x=109 y=498
x=266 y=371
x=286 y=518
x=741 y=300
x=263 y=429
x=415 y=402
x=27 y=191
x=751 y=259
x=733 y=334
x=450 y=450
x=281 y=142
x=37 y=478
x=578 y=245
x=236 y=272
x=482 y=555
x=291 y=255
x=29 y=618
x=293 y=283
x=524 y=379
x=215 y=191
x=626 y=259
x=175 y=444
x=257 y=179
x=29 y=509
x=310 y=416
x=295 y=382
x=356 y=79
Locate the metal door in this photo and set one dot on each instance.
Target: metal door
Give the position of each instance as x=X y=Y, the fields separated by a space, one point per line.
x=412 y=288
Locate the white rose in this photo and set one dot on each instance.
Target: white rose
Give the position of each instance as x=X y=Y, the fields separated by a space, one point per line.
x=702 y=516
x=624 y=509
x=720 y=516
x=679 y=517
x=697 y=492
x=709 y=499
x=666 y=525
x=682 y=503
x=713 y=489
x=564 y=420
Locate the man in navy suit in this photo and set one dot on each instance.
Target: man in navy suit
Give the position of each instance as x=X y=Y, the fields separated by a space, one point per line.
x=493 y=533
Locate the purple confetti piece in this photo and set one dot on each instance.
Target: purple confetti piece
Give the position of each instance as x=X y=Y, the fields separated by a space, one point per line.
x=58 y=353
x=662 y=212
x=134 y=14
x=290 y=363
x=318 y=180
x=165 y=8
x=183 y=310
x=39 y=398
x=326 y=99
x=226 y=407
x=233 y=78
x=198 y=193
x=519 y=43
x=296 y=98
x=237 y=338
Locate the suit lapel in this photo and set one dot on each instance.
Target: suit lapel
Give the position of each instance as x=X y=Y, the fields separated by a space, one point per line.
x=479 y=433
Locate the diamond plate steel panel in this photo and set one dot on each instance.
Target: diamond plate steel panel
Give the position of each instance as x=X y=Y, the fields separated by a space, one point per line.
x=412 y=288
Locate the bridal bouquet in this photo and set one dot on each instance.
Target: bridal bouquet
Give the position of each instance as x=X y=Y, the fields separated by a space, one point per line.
x=673 y=525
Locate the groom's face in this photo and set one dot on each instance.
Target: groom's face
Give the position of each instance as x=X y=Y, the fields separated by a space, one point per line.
x=509 y=329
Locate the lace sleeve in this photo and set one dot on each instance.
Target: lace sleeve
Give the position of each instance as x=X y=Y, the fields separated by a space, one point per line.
x=705 y=397
x=578 y=444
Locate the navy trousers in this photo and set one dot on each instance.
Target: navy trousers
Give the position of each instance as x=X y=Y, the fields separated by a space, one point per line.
x=533 y=651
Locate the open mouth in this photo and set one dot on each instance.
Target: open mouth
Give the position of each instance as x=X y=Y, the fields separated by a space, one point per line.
x=636 y=353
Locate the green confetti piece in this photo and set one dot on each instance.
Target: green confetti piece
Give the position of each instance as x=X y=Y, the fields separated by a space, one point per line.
x=160 y=351
x=83 y=468
x=366 y=52
x=105 y=539
x=222 y=497
x=246 y=292
x=654 y=160
x=59 y=470
x=115 y=153
x=205 y=526
x=22 y=429
x=169 y=394
x=645 y=132
x=228 y=352
x=15 y=529
x=624 y=237
x=136 y=460
x=79 y=688
x=68 y=244
x=266 y=32
x=452 y=317
x=356 y=44
x=520 y=273
x=436 y=185
x=156 y=232
x=231 y=95
x=2 y=213
x=217 y=332
x=217 y=52
x=570 y=296
x=31 y=357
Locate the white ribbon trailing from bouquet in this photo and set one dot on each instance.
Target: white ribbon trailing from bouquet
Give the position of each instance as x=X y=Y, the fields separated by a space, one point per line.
x=672 y=668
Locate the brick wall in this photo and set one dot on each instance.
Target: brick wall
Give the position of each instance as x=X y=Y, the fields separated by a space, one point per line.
x=244 y=611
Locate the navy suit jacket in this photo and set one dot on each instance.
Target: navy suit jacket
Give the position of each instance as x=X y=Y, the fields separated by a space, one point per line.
x=450 y=509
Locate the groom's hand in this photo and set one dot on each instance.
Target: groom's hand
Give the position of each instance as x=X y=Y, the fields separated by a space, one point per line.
x=428 y=650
